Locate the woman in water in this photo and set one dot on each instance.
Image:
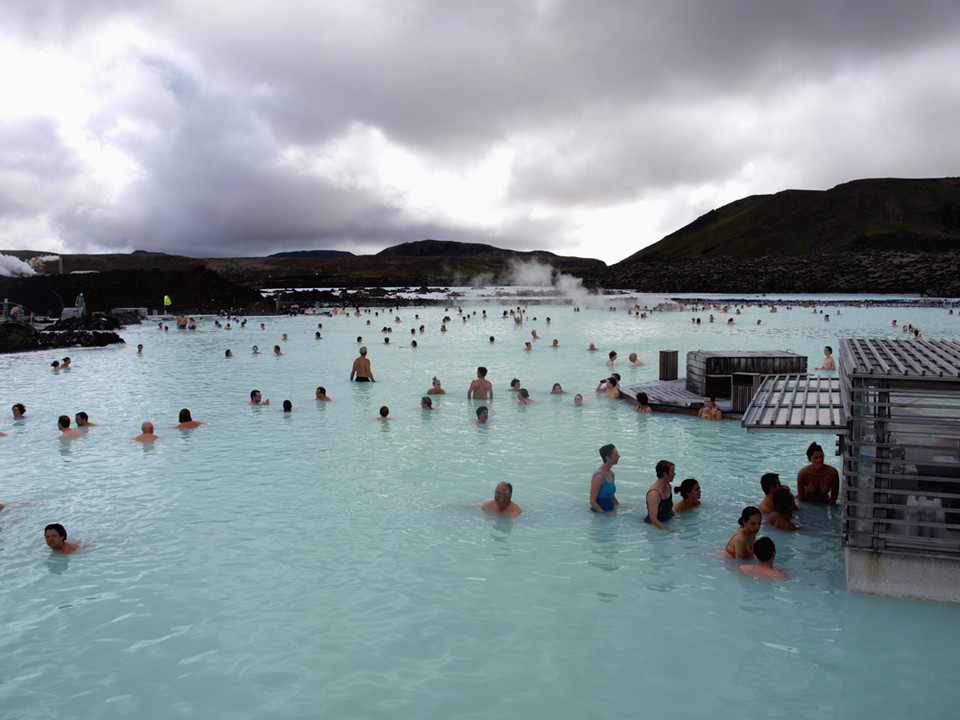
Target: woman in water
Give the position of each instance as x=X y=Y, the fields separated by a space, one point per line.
x=557 y=390
x=817 y=483
x=523 y=396
x=740 y=546
x=603 y=499
x=660 y=496
x=642 y=401
x=436 y=389
x=689 y=490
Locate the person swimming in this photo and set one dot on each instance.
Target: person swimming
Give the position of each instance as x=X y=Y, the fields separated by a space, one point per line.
x=740 y=544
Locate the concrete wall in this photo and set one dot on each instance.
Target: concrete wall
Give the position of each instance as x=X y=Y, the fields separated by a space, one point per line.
x=905 y=576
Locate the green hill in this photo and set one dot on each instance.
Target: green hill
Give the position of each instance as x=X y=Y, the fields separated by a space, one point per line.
x=863 y=215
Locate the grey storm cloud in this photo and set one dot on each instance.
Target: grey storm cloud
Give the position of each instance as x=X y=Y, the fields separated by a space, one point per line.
x=264 y=127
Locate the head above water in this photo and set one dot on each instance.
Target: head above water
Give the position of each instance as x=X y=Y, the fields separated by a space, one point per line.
x=686 y=487
x=764 y=548
x=606 y=452
x=748 y=512
x=813 y=448
x=664 y=468
x=769 y=481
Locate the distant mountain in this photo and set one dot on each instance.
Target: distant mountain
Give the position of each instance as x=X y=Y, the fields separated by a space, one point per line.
x=311 y=254
x=444 y=248
x=860 y=216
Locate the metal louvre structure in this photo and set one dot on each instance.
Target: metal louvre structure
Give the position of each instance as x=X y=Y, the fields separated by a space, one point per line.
x=901 y=458
x=789 y=403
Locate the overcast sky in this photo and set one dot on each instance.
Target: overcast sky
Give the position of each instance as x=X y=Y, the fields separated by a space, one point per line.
x=586 y=128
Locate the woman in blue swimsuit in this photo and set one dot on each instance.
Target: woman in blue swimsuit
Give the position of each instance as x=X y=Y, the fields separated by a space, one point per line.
x=602 y=486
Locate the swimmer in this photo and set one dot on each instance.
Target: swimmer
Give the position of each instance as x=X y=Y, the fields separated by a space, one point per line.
x=436 y=389
x=632 y=357
x=709 y=411
x=660 y=496
x=65 y=363
x=613 y=392
x=528 y=345
x=523 y=397
x=83 y=420
x=55 y=365
x=287 y=406
x=146 y=433
x=361 y=371
x=140 y=349
x=276 y=350
x=593 y=348
x=603 y=488
x=557 y=390
x=502 y=503
x=56 y=536
x=783 y=507
x=828 y=362
x=256 y=350
x=769 y=483
x=19 y=411
x=426 y=403
x=186 y=422
x=256 y=398
x=642 y=403
x=67 y=432
x=228 y=353
x=689 y=490
x=613 y=358
x=384 y=413
x=578 y=400
x=480 y=389
x=483 y=414
x=533 y=334
x=515 y=385
x=492 y=339
x=766 y=551
x=555 y=343
x=817 y=482
x=284 y=338
x=321 y=395
x=740 y=545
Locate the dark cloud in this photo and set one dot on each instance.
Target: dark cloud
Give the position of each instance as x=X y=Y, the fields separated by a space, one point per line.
x=274 y=127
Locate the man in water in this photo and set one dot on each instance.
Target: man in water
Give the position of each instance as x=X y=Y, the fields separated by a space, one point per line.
x=632 y=357
x=186 y=421
x=256 y=398
x=361 y=371
x=769 y=483
x=56 y=536
x=67 y=432
x=384 y=413
x=83 y=420
x=578 y=399
x=321 y=395
x=480 y=389
x=146 y=435
x=502 y=504
x=828 y=362
x=613 y=358
x=482 y=415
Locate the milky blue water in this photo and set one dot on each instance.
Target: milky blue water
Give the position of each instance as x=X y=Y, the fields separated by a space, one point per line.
x=323 y=564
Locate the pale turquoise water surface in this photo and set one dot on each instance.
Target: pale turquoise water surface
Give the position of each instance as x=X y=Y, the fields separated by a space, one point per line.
x=323 y=564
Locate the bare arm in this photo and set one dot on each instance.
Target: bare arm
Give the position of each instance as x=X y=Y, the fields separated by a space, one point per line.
x=652 y=506
x=596 y=482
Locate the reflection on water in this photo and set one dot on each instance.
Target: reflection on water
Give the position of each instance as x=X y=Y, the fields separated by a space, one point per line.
x=319 y=562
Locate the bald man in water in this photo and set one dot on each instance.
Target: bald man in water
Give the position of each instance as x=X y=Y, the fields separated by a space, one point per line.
x=146 y=435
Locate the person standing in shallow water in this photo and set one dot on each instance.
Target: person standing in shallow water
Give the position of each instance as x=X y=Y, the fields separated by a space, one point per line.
x=817 y=482
x=361 y=371
x=603 y=488
x=660 y=496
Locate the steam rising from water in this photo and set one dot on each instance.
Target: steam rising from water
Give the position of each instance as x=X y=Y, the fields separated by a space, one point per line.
x=11 y=266
x=531 y=273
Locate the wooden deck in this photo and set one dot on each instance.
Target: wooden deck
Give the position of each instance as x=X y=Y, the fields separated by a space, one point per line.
x=672 y=396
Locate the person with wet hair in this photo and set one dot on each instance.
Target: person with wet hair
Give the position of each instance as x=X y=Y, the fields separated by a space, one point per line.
x=426 y=403
x=783 y=507
x=83 y=420
x=603 y=488
x=769 y=483
x=766 y=551
x=481 y=388
x=523 y=397
x=502 y=503
x=483 y=414
x=56 y=536
x=740 y=544
x=384 y=413
x=660 y=496
x=67 y=432
x=642 y=403
x=817 y=482
x=186 y=421
x=321 y=395
x=19 y=411
x=689 y=490
x=435 y=388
